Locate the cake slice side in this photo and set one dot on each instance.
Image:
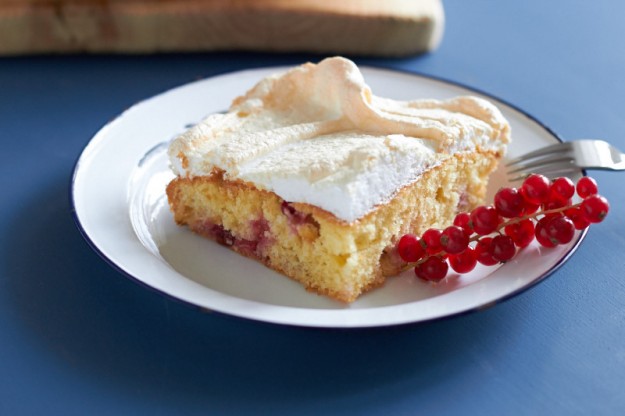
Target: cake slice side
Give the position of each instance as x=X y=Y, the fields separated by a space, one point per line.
x=328 y=256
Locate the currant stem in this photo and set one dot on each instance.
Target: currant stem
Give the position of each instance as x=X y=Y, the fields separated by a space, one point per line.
x=498 y=229
x=536 y=214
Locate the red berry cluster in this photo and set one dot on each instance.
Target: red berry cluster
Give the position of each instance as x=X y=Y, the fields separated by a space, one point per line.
x=491 y=234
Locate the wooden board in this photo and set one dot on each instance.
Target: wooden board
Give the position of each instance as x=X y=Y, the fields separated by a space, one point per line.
x=365 y=27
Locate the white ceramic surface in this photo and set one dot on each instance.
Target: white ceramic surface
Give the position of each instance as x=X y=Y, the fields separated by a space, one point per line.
x=121 y=209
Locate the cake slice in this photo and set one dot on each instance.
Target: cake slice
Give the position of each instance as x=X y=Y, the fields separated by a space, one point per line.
x=317 y=178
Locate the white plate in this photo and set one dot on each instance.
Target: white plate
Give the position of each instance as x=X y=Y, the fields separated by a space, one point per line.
x=121 y=209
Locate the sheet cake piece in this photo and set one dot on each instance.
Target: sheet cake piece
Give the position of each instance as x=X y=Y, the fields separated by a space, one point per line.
x=316 y=177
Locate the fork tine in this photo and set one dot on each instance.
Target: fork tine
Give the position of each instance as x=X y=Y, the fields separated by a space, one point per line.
x=562 y=168
x=555 y=148
x=521 y=176
x=563 y=159
x=549 y=171
x=547 y=161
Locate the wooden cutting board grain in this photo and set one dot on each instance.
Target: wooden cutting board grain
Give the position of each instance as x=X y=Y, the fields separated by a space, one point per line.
x=364 y=27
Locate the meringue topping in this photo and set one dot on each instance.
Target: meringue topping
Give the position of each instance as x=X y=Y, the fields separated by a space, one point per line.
x=317 y=134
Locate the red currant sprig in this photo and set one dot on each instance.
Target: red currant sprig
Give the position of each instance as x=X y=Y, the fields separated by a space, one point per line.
x=492 y=234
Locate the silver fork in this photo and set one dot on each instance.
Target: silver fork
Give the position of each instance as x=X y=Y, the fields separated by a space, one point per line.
x=562 y=158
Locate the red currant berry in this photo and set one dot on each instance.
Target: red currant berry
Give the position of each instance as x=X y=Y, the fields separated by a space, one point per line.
x=463 y=262
x=463 y=220
x=522 y=232
x=432 y=240
x=482 y=251
x=562 y=189
x=502 y=248
x=586 y=186
x=560 y=230
x=410 y=248
x=556 y=204
x=579 y=220
x=454 y=240
x=530 y=208
x=484 y=219
x=595 y=208
x=432 y=269
x=509 y=202
x=542 y=235
x=535 y=189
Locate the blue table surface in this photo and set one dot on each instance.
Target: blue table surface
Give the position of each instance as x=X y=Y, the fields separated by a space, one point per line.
x=76 y=337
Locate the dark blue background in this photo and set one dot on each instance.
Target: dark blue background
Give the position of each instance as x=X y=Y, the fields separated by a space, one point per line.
x=76 y=337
